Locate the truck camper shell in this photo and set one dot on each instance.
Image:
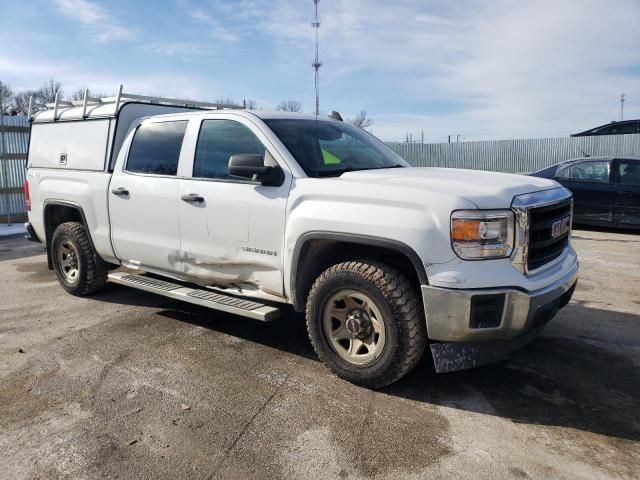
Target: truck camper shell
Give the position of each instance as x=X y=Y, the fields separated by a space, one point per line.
x=87 y=134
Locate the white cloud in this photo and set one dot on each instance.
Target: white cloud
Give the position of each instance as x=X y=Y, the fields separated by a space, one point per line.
x=480 y=68
x=179 y=50
x=216 y=30
x=506 y=68
x=91 y=14
x=35 y=70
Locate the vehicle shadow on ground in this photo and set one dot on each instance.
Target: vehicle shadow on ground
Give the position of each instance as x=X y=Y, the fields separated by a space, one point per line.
x=573 y=382
x=14 y=248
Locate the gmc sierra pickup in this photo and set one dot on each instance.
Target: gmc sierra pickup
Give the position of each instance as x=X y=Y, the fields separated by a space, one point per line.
x=244 y=211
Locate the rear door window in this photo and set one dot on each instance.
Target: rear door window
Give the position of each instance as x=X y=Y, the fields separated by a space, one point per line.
x=156 y=148
x=586 y=172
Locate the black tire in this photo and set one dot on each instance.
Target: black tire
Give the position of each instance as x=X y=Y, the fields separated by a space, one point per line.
x=89 y=277
x=395 y=297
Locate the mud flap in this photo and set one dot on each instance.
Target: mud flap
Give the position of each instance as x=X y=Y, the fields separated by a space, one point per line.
x=454 y=356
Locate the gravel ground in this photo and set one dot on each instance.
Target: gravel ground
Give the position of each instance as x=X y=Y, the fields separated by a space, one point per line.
x=130 y=385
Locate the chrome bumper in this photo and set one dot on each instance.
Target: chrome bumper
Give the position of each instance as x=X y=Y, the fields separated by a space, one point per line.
x=449 y=312
x=456 y=345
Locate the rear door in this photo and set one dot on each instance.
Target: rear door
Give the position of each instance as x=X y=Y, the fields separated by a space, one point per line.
x=592 y=188
x=232 y=230
x=627 y=187
x=144 y=195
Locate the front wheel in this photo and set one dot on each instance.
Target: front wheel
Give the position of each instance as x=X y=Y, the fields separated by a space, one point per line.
x=74 y=261
x=366 y=322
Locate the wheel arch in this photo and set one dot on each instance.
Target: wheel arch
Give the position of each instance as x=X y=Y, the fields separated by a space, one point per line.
x=56 y=212
x=314 y=252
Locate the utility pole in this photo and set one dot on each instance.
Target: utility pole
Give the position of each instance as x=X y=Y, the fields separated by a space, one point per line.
x=621 y=106
x=317 y=63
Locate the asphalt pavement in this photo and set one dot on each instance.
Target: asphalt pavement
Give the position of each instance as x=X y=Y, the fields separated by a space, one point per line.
x=125 y=384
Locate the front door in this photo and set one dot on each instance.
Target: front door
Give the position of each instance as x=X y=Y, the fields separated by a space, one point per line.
x=232 y=230
x=144 y=196
x=627 y=184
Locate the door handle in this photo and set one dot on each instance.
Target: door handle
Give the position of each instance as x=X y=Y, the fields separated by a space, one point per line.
x=626 y=193
x=192 y=197
x=120 y=191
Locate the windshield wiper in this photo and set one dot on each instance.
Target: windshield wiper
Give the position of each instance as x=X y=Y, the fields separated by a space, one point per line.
x=340 y=171
x=334 y=171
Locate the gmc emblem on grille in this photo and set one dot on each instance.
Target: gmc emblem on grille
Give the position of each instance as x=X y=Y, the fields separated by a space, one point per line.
x=560 y=227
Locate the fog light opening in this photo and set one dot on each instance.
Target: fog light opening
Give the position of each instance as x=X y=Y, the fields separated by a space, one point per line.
x=486 y=311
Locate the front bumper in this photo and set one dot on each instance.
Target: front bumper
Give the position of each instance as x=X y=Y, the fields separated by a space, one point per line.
x=477 y=326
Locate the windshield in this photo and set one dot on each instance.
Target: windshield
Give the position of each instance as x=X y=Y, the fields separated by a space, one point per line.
x=326 y=148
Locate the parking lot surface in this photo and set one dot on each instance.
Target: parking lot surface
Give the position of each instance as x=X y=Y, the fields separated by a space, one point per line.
x=125 y=384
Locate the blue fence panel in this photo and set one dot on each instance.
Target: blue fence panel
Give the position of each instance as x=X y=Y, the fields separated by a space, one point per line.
x=14 y=141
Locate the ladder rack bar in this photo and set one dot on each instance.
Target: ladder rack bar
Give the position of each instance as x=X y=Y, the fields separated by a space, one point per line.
x=55 y=107
x=168 y=101
x=122 y=98
x=84 y=102
x=118 y=98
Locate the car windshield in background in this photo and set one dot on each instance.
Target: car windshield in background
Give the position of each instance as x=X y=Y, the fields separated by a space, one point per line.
x=330 y=148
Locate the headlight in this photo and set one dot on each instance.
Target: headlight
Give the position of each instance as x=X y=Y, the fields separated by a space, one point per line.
x=481 y=234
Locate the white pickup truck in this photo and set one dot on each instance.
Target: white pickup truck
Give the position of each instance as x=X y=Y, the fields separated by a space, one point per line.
x=246 y=211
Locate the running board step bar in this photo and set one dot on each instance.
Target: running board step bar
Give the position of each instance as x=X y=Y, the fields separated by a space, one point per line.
x=202 y=297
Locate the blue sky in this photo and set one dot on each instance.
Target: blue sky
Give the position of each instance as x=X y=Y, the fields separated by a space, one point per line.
x=482 y=69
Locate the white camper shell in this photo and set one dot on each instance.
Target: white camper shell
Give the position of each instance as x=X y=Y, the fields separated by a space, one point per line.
x=87 y=134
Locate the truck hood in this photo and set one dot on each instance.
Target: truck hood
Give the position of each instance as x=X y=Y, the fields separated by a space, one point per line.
x=484 y=189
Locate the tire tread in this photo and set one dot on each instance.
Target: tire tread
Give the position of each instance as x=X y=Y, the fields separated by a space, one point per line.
x=404 y=300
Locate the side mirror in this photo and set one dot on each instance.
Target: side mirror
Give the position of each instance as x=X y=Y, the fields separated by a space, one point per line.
x=252 y=167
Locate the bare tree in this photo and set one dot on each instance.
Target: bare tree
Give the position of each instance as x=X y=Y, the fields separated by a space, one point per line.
x=362 y=120
x=289 y=106
x=226 y=101
x=250 y=104
x=6 y=98
x=77 y=94
x=47 y=93
x=20 y=105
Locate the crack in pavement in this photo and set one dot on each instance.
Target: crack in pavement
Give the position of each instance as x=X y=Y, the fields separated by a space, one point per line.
x=245 y=427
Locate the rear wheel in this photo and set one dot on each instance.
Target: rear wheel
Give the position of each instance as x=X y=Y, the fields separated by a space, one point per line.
x=366 y=322
x=74 y=260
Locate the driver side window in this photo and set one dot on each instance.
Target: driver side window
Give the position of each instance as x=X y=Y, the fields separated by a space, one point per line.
x=586 y=172
x=217 y=141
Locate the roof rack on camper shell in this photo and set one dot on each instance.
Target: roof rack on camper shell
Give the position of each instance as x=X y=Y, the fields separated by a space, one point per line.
x=110 y=106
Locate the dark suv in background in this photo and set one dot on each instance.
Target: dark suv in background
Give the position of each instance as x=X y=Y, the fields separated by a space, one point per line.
x=606 y=190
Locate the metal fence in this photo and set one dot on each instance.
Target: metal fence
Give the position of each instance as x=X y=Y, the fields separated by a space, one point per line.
x=514 y=156
x=14 y=140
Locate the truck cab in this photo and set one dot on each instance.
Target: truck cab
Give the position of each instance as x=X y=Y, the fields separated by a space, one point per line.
x=246 y=211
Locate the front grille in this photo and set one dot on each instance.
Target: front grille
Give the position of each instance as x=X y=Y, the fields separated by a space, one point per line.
x=543 y=247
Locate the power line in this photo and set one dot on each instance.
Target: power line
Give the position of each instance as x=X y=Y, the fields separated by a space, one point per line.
x=317 y=63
